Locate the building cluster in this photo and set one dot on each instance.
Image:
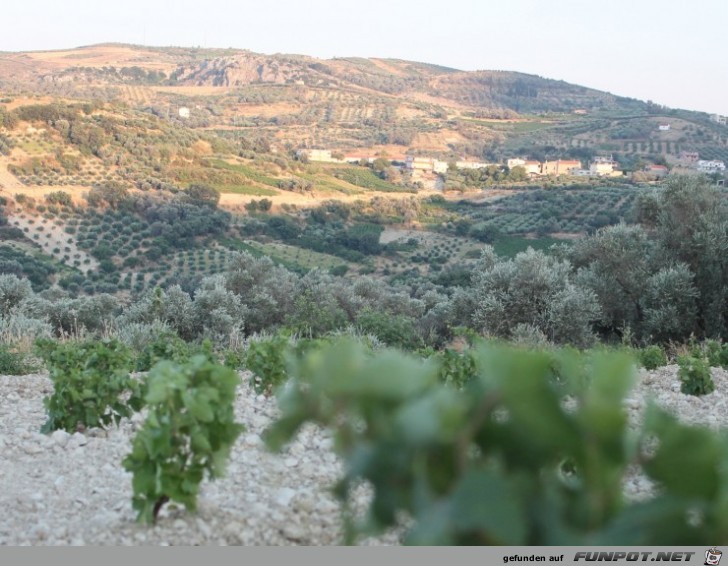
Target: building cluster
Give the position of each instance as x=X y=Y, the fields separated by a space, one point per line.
x=600 y=166
x=320 y=155
x=690 y=160
x=431 y=165
x=718 y=119
x=710 y=166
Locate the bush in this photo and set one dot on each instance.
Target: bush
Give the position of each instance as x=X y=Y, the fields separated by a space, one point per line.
x=266 y=360
x=233 y=359
x=91 y=384
x=13 y=363
x=166 y=346
x=189 y=430
x=716 y=353
x=457 y=368
x=652 y=357
x=505 y=461
x=695 y=376
x=394 y=330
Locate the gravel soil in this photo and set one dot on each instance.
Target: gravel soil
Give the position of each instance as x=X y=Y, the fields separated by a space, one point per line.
x=63 y=489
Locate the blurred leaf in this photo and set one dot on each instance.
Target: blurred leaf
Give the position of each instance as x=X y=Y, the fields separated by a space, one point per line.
x=485 y=503
x=435 y=417
x=687 y=459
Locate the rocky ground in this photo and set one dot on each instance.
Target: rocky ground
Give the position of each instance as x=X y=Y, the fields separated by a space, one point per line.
x=71 y=489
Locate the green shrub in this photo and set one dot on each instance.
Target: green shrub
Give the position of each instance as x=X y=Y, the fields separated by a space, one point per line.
x=394 y=330
x=652 y=357
x=167 y=346
x=91 y=384
x=13 y=363
x=695 y=376
x=505 y=461
x=233 y=359
x=722 y=358
x=189 y=430
x=266 y=360
x=716 y=353
x=457 y=368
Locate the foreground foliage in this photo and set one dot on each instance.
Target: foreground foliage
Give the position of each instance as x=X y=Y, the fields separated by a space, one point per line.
x=189 y=430
x=14 y=363
x=695 y=376
x=522 y=455
x=91 y=384
x=652 y=357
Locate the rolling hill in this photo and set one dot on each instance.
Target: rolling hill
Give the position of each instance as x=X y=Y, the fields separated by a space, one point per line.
x=385 y=105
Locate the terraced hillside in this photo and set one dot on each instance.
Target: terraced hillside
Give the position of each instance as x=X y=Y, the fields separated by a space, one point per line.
x=353 y=103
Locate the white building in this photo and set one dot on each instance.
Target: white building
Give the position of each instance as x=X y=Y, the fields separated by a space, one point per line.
x=419 y=163
x=711 y=166
x=439 y=166
x=602 y=166
x=664 y=127
x=184 y=112
x=320 y=155
x=425 y=164
x=471 y=165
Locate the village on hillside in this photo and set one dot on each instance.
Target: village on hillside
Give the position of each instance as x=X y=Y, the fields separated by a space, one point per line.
x=688 y=162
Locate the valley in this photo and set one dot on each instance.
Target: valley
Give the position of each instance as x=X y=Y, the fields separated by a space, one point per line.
x=463 y=287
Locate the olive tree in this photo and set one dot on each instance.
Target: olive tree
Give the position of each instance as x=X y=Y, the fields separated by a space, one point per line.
x=535 y=289
x=616 y=263
x=689 y=219
x=13 y=291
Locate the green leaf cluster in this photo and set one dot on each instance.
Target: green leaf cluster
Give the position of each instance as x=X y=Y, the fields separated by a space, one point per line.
x=189 y=432
x=91 y=384
x=13 y=362
x=715 y=353
x=652 y=357
x=167 y=346
x=266 y=360
x=528 y=452
x=695 y=376
x=456 y=368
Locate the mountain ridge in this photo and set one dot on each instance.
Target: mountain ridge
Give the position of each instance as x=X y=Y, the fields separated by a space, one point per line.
x=387 y=105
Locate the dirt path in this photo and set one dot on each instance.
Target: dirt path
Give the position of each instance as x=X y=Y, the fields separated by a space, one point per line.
x=8 y=181
x=237 y=202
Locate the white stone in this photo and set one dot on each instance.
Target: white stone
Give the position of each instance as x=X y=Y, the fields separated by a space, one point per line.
x=78 y=439
x=204 y=528
x=60 y=437
x=32 y=449
x=293 y=531
x=284 y=496
x=252 y=440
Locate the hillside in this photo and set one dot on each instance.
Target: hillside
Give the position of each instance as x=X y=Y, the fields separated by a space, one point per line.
x=355 y=103
x=136 y=132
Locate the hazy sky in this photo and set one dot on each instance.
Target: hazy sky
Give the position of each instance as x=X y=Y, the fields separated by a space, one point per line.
x=674 y=52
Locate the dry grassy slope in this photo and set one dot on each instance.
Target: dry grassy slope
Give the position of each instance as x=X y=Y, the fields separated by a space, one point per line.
x=346 y=102
x=240 y=68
